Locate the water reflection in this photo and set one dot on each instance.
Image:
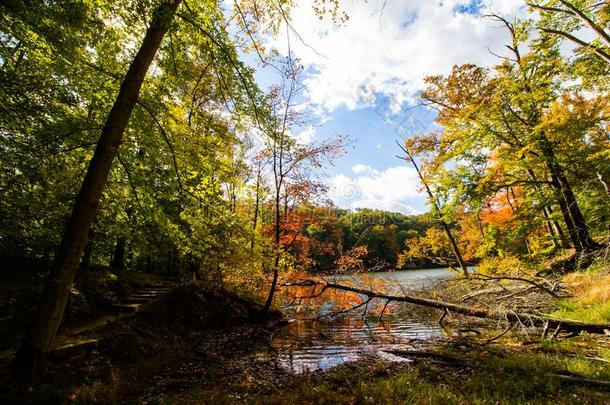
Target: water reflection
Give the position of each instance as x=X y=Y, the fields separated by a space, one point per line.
x=313 y=345
x=304 y=346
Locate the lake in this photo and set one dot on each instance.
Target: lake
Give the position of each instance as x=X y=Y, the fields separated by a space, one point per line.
x=307 y=345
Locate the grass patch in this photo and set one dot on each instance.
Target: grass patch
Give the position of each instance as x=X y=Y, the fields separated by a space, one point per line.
x=501 y=381
x=497 y=376
x=591 y=289
x=598 y=312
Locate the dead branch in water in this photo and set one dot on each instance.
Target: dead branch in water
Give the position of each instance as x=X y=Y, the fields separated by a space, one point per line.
x=543 y=285
x=533 y=320
x=504 y=332
x=539 y=283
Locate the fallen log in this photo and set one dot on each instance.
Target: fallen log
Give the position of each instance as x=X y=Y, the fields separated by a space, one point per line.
x=533 y=320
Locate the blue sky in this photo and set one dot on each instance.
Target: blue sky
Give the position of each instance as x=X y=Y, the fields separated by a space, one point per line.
x=363 y=78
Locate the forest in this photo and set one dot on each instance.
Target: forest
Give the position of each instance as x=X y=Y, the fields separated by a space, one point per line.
x=167 y=237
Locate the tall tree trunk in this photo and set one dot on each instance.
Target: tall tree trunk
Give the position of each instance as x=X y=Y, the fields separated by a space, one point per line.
x=550 y=229
x=558 y=230
x=88 y=251
x=118 y=257
x=565 y=212
x=604 y=183
x=277 y=234
x=560 y=182
x=455 y=247
x=480 y=225
x=47 y=318
x=233 y=198
x=256 y=208
x=437 y=210
x=576 y=213
x=172 y=258
x=555 y=231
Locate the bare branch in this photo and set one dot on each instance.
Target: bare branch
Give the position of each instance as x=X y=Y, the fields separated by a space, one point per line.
x=334 y=314
x=551 y=9
x=504 y=332
x=167 y=141
x=583 y=17
x=580 y=42
x=535 y=320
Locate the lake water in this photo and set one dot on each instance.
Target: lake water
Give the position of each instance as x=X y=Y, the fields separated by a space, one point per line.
x=306 y=345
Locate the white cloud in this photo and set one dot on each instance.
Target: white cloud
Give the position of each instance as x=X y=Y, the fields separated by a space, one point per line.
x=390 y=189
x=390 y=54
x=360 y=169
x=306 y=136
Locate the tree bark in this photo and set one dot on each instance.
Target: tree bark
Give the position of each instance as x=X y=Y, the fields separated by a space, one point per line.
x=558 y=230
x=256 y=208
x=455 y=247
x=579 y=233
x=565 y=212
x=47 y=318
x=88 y=251
x=576 y=213
x=277 y=234
x=549 y=228
x=559 y=239
x=604 y=183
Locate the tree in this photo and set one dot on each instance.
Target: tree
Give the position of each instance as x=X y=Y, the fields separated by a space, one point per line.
x=437 y=210
x=564 y=18
x=495 y=123
x=46 y=321
x=163 y=187
x=291 y=163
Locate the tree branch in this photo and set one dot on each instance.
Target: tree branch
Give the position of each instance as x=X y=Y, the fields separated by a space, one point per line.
x=580 y=42
x=583 y=17
x=534 y=319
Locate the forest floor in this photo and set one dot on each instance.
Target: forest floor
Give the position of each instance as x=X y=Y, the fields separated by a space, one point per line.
x=95 y=296
x=520 y=367
x=200 y=346
x=450 y=372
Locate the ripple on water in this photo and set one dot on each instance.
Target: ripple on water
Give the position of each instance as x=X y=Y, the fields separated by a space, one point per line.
x=308 y=346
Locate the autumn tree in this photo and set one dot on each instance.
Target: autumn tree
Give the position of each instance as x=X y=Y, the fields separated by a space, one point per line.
x=198 y=44
x=565 y=18
x=47 y=318
x=436 y=207
x=290 y=161
x=495 y=122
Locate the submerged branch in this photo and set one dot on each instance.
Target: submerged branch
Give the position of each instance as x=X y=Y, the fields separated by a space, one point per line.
x=534 y=320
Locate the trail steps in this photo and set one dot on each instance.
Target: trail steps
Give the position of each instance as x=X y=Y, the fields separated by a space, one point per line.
x=85 y=337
